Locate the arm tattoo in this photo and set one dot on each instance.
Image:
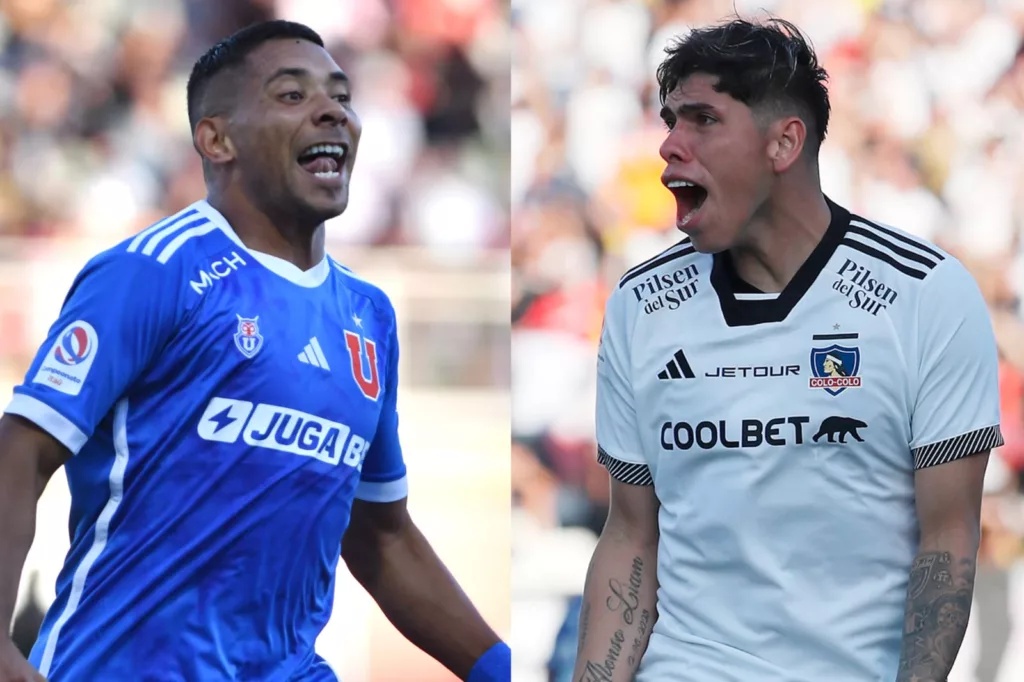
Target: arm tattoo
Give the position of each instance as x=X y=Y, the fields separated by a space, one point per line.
x=938 y=605
x=584 y=622
x=629 y=639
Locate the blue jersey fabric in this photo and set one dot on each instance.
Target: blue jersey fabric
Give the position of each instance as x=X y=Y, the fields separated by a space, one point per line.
x=223 y=409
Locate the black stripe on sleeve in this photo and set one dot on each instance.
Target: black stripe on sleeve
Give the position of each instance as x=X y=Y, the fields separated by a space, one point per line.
x=625 y=472
x=958 y=447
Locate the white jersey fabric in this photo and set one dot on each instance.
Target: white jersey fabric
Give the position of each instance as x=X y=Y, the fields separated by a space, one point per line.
x=781 y=434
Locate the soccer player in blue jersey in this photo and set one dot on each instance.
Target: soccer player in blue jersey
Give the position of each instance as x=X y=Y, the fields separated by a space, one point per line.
x=222 y=396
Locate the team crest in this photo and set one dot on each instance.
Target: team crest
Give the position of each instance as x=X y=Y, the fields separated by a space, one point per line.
x=835 y=368
x=248 y=339
x=358 y=347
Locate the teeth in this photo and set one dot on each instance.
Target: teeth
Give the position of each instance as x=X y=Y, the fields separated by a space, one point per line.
x=673 y=184
x=332 y=149
x=327 y=175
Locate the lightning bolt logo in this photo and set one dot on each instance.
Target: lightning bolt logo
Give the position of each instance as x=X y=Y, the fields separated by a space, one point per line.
x=223 y=419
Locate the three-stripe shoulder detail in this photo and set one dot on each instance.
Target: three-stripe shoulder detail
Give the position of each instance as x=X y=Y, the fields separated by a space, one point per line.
x=911 y=256
x=678 y=250
x=162 y=240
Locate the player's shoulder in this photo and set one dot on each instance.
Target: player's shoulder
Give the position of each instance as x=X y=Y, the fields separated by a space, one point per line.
x=354 y=283
x=676 y=269
x=175 y=247
x=939 y=283
x=161 y=262
x=680 y=256
x=911 y=260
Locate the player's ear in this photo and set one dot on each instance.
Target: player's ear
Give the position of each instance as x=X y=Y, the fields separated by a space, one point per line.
x=212 y=141
x=786 y=142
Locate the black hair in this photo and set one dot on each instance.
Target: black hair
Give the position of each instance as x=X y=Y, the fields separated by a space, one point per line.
x=231 y=52
x=770 y=66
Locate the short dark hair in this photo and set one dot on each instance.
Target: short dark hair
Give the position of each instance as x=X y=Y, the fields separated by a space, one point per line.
x=769 y=66
x=231 y=53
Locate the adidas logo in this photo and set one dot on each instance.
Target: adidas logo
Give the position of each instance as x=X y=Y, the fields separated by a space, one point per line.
x=313 y=354
x=677 y=368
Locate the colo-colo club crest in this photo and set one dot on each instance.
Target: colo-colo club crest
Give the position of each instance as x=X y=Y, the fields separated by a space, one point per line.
x=835 y=367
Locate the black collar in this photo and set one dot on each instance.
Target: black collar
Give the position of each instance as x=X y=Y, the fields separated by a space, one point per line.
x=747 y=312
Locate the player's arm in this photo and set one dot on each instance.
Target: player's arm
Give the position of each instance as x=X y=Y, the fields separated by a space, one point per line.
x=619 y=597
x=113 y=320
x=955 y=424
x=29 y=456
x=618 y=610
x=942 y=578
x=393 y=561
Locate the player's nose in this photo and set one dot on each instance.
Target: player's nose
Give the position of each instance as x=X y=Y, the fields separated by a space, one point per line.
x=330 y=111
x=676 y=148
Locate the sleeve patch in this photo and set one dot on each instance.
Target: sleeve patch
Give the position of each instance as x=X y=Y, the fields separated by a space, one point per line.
x=67 y=364
x=625 y=472
x=958 y=447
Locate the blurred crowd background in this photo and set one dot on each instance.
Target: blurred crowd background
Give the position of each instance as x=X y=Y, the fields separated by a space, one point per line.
x=95 y=145
x=927 y=134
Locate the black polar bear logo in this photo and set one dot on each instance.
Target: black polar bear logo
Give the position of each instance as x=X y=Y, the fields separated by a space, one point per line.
x=841 y=427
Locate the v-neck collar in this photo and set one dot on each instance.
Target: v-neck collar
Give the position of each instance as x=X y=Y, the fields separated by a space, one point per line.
x=309 y=279
x=742 y=307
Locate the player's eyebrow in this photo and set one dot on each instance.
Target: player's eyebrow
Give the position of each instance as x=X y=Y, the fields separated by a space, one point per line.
x=668 y=113
x=302 y=74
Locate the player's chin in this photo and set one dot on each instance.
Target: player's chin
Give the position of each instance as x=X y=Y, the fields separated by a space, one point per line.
x=705 y=235
x=327 y=197
x=326 y=209
x=709 y=240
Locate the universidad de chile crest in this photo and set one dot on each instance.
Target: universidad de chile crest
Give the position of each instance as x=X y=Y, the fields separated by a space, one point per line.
x=248 y=339
x=836 y=367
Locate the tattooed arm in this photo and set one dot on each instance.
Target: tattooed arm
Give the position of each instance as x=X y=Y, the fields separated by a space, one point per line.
x=942 y=577
x=619 y=598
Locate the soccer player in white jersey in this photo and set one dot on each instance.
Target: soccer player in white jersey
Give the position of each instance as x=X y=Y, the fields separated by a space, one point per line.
x=222 y=396
x=796 y=406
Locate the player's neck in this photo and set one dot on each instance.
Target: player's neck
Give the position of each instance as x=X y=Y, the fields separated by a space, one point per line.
x=300 y=244
x=782 y=237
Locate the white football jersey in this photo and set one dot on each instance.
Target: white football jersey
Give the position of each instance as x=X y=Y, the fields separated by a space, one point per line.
x=781 y=434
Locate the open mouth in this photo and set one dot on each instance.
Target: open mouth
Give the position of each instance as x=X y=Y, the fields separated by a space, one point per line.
x=324 y=160
x=689 y=198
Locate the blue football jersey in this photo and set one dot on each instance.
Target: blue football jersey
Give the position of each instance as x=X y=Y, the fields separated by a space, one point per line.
x=223 y=408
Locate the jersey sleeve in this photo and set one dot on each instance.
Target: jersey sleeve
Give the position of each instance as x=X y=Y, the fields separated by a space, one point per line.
x=382 y=478
x=618 y=435
x=119 y=312
x=956 y=408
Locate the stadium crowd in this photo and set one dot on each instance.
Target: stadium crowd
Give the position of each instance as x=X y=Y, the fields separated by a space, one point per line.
x=927 y=133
